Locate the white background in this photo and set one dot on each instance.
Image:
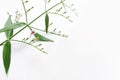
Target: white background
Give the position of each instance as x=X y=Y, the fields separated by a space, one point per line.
x=92 y=51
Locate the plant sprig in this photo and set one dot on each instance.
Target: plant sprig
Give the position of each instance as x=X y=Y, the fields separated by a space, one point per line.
x=10 y=27
x=31 y=22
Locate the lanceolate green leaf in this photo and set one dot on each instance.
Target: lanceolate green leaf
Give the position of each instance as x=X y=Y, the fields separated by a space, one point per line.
x=6 y=55
x=46 y=22
x=13 y=26
x=8 y=24
x=39 y=37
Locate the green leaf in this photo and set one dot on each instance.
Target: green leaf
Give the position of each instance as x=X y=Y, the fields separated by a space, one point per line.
x=39 y=37
x=46 y=22
x=7 y=24
x=6 y=55
x=13 y=26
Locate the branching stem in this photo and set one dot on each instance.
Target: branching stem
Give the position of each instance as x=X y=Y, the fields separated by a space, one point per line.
x=32 y=22
x=26 y=16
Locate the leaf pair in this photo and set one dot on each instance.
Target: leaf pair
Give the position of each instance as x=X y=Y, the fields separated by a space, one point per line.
x=7 y=45
x=12 y=26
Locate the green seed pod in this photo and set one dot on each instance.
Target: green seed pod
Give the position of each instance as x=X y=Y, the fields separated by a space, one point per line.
x=39 y=37
x=46 y=22
x=6 y=55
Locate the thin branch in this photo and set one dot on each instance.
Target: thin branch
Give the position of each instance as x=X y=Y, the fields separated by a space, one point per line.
x=25 y=11
x=71 y=9
x=31 y=45
x=63 y=5
x=51 y=32
x=61 y=16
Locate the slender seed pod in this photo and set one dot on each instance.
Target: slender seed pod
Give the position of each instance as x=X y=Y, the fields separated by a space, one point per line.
x=46 y=22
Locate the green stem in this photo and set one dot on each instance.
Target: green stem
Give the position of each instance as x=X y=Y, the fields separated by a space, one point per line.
x=63 y=5
x=58 y=34
x=31 y=22
x=30 y=45
x=71 y=9
x=25 y=11
x=61 y=16
x=45 y=4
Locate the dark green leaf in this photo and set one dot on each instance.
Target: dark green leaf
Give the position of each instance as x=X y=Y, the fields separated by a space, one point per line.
x=13 y=26
x=42 y=38
x=46 y=22
x=6 y=55
x=8 y=24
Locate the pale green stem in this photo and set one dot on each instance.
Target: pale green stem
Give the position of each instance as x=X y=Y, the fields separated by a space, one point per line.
x=45 y=4
x=71 y=9
x=30 y=45
x=58 y=34
x=26 y=16
x=63 y=5
x=61 y=16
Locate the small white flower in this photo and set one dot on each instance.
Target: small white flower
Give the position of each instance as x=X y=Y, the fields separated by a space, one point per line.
x=18 y=16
